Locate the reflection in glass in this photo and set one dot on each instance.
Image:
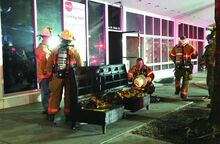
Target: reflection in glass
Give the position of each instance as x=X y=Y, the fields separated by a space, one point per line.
x=149 y=25
x=195 y=33
x=135 y=22
x=54 y=21
x=180 y=30
x=149 y=50
x=170 y=45
x=17 y=37
x=191 y=31
x=114 y=18
x=200 y=33
x=200 y=48
x=165 y=66
x=97 y=45
x=164 y=27
x=156 y=26
x=186 y=30
x=171 y=65
x=171 y=28
x=156 y=50
x=133 y=48
x=164 y=50
x=157 y=67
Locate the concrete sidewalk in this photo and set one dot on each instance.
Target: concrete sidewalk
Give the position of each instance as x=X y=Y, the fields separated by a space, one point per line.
x=197 y=87
x=26 y=124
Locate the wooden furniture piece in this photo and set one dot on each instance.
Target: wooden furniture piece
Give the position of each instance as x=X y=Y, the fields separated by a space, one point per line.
x=112 y=78
x=83 y=86
x=101 y=82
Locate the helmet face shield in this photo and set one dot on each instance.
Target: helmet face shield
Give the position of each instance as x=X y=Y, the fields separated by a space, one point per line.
x=209 y=37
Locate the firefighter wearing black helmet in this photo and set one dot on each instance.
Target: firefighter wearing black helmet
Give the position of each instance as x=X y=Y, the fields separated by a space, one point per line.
x=208 y=62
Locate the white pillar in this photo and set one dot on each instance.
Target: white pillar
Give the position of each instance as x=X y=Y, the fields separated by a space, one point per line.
x=1 y=69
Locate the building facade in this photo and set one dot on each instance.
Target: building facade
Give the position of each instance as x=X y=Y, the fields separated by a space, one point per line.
x=107 y=34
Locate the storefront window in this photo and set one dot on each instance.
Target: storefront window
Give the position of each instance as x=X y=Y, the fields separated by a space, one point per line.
x=133 y=48
x=200 y=48
x=164 y=27
x=135 y=22
x=180 y=27
x=170 y=46
x=156 y=50
x=19 y=69
x=149 y=50
x=149 y=25
x=186 y=30
x=171 y=28
x=114 y=18
x=200 y=33
x=164 y=50
x=195 y=32
x=97 y=44
x=191 y=31
x=52 y=7
x=156 y=26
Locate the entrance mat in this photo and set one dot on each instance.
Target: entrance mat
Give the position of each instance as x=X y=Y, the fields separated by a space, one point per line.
x=189 y=125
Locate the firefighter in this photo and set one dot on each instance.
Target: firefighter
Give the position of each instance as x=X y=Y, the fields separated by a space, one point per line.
x=182 y=54
x=208 y=60
x=141 y=76
x=61 y=61
x=42 y=53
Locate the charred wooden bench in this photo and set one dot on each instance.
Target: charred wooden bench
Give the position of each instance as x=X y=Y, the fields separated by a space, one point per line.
x=112 y=78
x=102 y=82
x=84 y=85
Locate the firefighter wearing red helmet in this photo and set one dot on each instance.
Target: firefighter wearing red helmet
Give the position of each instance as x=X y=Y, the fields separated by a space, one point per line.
x=182 y=54
x=42 y=52
x=60 y=62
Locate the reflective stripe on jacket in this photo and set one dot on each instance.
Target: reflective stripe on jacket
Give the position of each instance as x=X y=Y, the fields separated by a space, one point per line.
x=180 y=53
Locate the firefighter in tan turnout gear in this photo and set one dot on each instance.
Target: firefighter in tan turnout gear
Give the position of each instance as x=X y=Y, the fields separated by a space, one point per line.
x=42 y=53
x=142 y=77
x=208 y=61
x=182 y=54
x=60 y=62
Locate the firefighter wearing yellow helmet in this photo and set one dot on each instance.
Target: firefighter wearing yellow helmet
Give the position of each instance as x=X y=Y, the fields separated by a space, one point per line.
x=61 y=61
x=42 y=52
x=141 y=77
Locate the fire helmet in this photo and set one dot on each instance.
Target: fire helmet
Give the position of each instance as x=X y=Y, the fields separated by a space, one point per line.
x=140 y=81
x=182 y=37
x=209 y=37
x=183 y=40
x=66 y=35
x=46 y=32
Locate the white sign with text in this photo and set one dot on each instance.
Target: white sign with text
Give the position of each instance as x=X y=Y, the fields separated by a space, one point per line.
x=74 y=21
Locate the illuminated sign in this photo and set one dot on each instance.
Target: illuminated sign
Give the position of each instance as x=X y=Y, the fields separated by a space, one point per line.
x=74 y=20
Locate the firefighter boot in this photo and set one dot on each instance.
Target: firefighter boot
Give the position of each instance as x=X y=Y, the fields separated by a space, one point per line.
x=183 y=96
x=184 y=93
x=177 y=91
x=68 y=118
x=50 y=117
x=209 y=105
